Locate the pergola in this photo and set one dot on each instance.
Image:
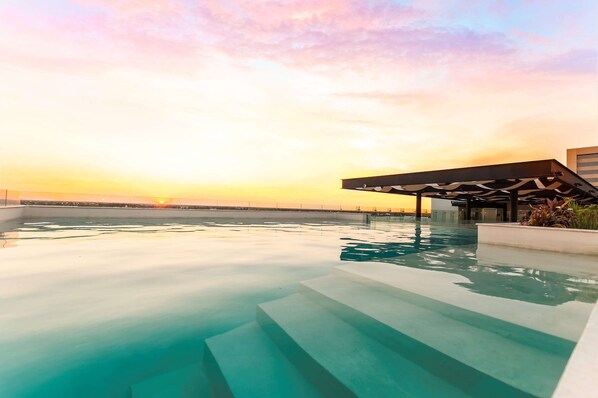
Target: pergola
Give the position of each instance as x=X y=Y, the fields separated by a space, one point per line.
x=496 y=185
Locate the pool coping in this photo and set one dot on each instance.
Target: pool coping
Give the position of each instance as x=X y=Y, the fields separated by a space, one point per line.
x=579 y=378
x=15 y=213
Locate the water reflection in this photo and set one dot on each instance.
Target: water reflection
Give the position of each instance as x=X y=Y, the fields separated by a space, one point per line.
x=514 y=274
x=9 y=234
x=405 y=238
x=30 y=232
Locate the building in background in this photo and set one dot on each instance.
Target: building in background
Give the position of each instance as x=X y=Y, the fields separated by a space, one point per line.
x=584 y=162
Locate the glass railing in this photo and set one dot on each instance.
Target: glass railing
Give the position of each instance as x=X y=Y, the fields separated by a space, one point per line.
x=74 y=199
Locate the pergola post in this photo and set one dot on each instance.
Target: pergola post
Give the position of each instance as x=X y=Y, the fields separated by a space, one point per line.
x=514 y=205
x=468 y=209
x=418 y=206
x=504 y=213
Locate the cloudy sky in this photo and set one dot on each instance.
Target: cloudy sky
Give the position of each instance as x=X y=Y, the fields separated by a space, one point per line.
x=279 y=100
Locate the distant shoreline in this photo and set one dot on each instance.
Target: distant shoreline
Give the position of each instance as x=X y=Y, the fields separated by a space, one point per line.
x=200 y=207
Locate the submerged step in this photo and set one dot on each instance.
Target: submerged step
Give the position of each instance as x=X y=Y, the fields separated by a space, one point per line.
x=565 y=321
x=481 y=362
x=337 y=356
x=244 y=362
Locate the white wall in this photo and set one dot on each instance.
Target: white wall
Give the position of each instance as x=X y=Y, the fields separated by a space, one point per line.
x=442 y=204
x=11 y=213
x=443 y=211
x=490 y=215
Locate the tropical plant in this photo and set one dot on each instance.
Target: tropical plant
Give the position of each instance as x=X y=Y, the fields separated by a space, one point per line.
x=554 y=213
x=586 y=217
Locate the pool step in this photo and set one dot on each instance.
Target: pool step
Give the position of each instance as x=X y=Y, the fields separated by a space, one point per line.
x=380 y=330
x=245 y=362
x=342 y=361
x=479 y=361
x=557 y=326
x=186 y=382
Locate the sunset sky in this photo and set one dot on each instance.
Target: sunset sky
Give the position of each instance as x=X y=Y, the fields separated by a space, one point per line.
x=277 y=101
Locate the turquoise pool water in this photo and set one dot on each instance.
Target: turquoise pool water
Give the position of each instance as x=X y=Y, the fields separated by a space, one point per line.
x=124 y=308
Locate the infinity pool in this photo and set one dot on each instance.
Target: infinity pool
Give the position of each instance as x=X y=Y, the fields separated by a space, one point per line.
x=124 y=308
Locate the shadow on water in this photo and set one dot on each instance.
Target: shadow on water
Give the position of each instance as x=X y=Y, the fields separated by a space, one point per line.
x=514 y=274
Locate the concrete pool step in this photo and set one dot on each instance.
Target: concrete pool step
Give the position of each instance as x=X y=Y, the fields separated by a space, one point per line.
x=186 y=382
x=342 y=361
x=245 y=362
x=479 y=361
x=550 y=327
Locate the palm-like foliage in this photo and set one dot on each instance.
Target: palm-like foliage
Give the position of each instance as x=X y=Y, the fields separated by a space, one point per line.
x=555 y=213
x=586 y=217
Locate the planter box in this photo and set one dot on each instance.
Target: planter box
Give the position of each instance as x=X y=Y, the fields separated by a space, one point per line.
x=563 y=240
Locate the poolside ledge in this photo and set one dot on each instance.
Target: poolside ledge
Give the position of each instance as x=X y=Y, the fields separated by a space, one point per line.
x=30 y=212
x=563 y=240
x=11 y=213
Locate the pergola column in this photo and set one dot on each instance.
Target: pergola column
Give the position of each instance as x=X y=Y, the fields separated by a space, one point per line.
x=514 y=205
x=418 y=206
x=468 y=209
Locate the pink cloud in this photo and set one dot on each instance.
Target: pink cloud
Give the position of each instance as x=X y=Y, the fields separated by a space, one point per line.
x=314 y=33
x=132 y=8
x=341 y=32
x=323 y=35
x=90 y=37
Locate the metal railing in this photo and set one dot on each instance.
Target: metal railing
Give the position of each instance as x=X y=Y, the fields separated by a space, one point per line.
x=74 y=199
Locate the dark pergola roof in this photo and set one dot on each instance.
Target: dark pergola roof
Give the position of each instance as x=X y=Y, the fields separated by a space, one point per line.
x=533 y=181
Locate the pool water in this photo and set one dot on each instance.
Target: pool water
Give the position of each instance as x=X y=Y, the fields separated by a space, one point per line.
x=125 y=308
